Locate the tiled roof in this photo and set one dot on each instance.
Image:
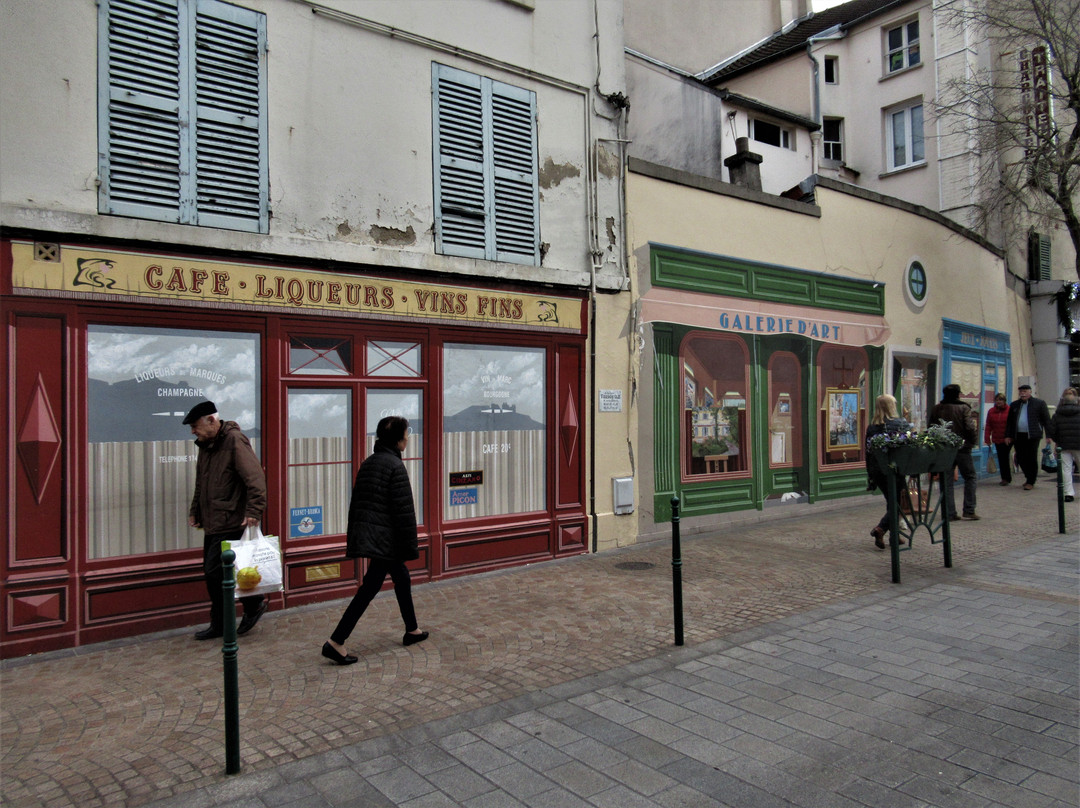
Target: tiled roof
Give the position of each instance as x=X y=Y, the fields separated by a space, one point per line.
x=784 y=42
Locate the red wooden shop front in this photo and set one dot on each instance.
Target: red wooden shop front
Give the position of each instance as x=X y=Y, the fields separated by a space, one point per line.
x=105 y=349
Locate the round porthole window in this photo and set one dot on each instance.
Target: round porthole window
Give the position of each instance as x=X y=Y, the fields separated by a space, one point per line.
x=915 y=284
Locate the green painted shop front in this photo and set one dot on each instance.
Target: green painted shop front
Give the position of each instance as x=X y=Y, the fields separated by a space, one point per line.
x=764 y=377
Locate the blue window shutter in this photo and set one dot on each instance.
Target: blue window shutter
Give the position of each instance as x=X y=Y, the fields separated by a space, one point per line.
x=231 y=177
x=182 y=113
x=516 y=200
x=461 y=208
x=141 y=106
x=486 y=190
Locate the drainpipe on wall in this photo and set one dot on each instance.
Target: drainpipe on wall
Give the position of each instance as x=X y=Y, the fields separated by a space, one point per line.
x=829 y=35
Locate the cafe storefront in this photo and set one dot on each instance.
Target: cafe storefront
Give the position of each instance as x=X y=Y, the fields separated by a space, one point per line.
x=107 y=349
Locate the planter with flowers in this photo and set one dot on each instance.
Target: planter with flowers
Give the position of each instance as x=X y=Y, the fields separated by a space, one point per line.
x=906 y=456
x=910 y=453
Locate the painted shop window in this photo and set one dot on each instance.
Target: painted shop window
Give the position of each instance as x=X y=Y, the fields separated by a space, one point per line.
x=969 y=375
x=408 y=404
x=141 y=382
x=320 y=356
x=842 y=388
x=913 y=386
x=714 y=390
x=182 y=113
x=785 y=410
x=393 y=359
x=320 y=462
x=494 y=430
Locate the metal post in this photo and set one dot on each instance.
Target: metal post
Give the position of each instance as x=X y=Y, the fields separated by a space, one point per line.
x=893 y=495
x=1061 y=491
x=676 y=571
x=228 y=652
x=946 y=530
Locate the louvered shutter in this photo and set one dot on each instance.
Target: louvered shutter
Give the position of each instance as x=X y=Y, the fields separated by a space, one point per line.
x=486 y=193
x=516 y=198
x=231 y=178
x=182 y=127
x=1039 y=265
x=461 y=207
x=142 y=104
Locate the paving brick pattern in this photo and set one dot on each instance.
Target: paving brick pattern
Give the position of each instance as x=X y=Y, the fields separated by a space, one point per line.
x=807 y=678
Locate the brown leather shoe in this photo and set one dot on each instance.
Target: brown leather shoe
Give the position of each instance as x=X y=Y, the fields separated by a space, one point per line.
x=879 y=538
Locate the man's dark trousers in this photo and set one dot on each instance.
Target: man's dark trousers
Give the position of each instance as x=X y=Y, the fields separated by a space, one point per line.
x=1027 y=456
x=215 y=575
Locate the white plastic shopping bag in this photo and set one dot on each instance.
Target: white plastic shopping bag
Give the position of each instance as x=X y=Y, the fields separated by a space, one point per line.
x=258 y=564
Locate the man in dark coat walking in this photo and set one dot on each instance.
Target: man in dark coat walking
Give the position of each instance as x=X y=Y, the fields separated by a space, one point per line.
x=1028 y=417
x=963 y=422
x=230 y=497
x=382 y=528
x=1065 y=432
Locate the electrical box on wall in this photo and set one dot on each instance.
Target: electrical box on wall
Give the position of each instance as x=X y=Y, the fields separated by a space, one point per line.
x=622 y=494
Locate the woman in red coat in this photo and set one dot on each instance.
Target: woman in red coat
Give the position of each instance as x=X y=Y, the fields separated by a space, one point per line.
x=994 y=435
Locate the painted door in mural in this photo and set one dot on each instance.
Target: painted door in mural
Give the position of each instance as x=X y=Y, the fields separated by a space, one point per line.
x=783 y=427
x=977 y=391
x=324 y=452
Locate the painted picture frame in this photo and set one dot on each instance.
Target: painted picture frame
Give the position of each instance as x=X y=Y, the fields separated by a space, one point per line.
x=843 y=413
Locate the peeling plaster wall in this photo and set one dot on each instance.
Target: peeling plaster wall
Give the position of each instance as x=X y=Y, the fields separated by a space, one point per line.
x=349 y=128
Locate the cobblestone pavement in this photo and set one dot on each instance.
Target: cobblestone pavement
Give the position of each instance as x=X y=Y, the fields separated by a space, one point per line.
x=521 y=652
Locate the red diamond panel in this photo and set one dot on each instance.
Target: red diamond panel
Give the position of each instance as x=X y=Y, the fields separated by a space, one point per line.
x=38 y=441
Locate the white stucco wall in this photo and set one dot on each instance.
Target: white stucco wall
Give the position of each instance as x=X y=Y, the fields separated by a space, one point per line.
x=350 y=127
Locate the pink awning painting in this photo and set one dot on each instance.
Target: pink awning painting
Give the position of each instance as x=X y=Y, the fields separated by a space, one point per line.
x=762 y=317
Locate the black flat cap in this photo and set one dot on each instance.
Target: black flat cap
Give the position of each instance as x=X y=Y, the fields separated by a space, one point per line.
x=199 y=410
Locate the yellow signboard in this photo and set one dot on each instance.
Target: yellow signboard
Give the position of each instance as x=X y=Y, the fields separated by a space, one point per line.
x=101 y=273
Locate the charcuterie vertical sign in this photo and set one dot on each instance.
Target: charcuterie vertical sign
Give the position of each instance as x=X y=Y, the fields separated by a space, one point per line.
x=85 y=272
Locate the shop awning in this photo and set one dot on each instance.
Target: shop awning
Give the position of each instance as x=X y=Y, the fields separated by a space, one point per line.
x=762 y=317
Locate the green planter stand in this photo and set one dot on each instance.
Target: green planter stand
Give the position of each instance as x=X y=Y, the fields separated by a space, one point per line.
x=926 y=510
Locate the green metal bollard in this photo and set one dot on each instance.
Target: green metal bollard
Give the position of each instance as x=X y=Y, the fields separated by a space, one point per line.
x=891 y=492
x=1061 y=491
x=676 y=571
x=228 y=652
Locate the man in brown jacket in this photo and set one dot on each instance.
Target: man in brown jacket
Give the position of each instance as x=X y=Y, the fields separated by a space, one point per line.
x=963 y=421
x=230 y=496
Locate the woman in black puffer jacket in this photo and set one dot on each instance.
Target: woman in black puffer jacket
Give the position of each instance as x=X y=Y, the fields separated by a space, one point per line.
x=1064 y=430
x=382 y=528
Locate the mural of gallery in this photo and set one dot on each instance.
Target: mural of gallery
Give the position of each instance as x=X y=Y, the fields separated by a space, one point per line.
x=109 y=348
x=762 y=383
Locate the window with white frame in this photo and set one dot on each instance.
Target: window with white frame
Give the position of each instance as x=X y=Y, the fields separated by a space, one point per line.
x=182 y=113
x=902 y=46
x=832 y=69
x=486 y=189
x=832 y=141
x=771 y=134
x=904 y=136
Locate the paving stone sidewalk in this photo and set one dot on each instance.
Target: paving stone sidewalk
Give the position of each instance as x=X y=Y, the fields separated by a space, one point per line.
x=948 y=695
x=581 y=650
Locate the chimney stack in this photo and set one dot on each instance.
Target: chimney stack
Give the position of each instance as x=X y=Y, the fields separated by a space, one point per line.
x=744 y=167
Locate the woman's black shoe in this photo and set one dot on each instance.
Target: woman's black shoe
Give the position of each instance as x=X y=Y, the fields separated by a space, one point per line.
x=331 y=653
x=412 y=639
x=209 y=633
